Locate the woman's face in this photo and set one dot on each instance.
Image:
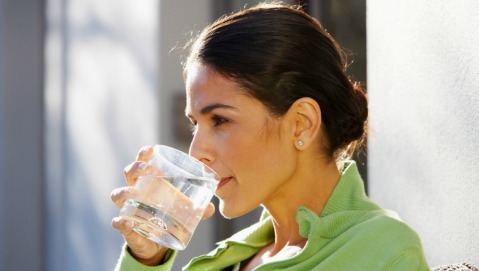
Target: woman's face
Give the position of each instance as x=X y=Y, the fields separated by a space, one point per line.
x=236 y=136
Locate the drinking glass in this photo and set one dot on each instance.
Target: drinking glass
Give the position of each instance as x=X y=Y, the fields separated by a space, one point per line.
x=167 y=207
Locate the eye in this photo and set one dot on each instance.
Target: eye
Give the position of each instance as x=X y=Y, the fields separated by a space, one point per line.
x=218 y=120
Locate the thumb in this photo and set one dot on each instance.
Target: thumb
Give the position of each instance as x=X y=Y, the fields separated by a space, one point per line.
x=209 y=211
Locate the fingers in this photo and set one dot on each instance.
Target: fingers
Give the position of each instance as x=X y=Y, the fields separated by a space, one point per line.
x=125 y=227
x=120 y=195
x=209 y=211
x=134 y=240
x=144 y=250
x=134 y=170
x=145 y=154
x=142 y=166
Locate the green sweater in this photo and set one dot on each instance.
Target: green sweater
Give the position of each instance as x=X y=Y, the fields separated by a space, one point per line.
x=352 y=233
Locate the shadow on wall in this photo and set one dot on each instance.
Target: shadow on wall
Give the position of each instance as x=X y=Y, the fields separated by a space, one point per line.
x=101 y=107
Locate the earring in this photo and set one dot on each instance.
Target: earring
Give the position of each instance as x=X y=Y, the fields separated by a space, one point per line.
x=300 y=143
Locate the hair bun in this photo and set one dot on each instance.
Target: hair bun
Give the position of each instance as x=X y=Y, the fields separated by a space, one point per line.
x=354 y=126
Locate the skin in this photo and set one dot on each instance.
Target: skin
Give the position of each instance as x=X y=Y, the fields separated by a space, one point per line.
x=257 y=157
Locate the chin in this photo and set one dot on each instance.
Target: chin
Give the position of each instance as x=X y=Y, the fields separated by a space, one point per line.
x=225 y=211
x=229 y=211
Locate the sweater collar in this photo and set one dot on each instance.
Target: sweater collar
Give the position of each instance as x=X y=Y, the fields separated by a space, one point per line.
x=349 y=193
x=346 y=204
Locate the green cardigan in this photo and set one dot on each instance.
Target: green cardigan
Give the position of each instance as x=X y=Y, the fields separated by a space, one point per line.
x=352 y=233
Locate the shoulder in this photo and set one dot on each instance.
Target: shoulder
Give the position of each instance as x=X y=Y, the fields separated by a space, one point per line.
x=386 y=228
x=383 y=237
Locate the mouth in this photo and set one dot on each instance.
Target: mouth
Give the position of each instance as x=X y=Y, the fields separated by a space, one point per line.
x=223 y=181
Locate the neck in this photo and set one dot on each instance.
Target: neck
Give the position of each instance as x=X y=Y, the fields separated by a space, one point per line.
x=311 y=186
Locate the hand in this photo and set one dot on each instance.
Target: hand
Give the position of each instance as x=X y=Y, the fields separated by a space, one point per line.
x=144 y=250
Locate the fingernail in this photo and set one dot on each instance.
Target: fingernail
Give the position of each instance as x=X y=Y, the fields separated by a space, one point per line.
x=129 y=224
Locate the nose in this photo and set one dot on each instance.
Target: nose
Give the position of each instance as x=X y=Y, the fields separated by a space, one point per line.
x=201 y=148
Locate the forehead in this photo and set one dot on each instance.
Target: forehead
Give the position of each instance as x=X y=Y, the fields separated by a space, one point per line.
x=204 y=86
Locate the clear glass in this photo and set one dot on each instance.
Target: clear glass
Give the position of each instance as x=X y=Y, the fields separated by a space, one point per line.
x=166 y=209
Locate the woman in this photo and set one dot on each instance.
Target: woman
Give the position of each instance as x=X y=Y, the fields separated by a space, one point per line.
x=276 y=116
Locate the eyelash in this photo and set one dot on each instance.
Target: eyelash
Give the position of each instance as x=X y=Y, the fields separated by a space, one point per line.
x=218 y=120
x=192 y=126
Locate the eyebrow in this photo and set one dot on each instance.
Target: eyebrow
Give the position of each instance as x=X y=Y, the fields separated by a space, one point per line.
x=207 y=109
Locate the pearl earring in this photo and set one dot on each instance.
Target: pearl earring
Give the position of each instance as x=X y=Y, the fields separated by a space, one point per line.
x=300 y=143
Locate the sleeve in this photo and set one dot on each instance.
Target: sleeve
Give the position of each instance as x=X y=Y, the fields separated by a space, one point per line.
x=409 y=260
x=126 y=262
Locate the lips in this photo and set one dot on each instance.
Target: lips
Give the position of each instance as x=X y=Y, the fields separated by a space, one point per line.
x=223 y=181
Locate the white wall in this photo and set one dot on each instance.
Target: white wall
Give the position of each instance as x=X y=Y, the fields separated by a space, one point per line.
x=100 y=107
x=110 y=83
x=423 y=83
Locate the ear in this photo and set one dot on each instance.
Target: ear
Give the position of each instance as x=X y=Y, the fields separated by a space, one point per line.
x=306 y=116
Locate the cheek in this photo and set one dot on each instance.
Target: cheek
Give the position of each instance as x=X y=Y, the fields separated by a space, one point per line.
x=239 y=153
x=256 y=157
x=250 y=149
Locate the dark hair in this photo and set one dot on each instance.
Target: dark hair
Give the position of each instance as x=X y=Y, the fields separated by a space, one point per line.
x=279 y=54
